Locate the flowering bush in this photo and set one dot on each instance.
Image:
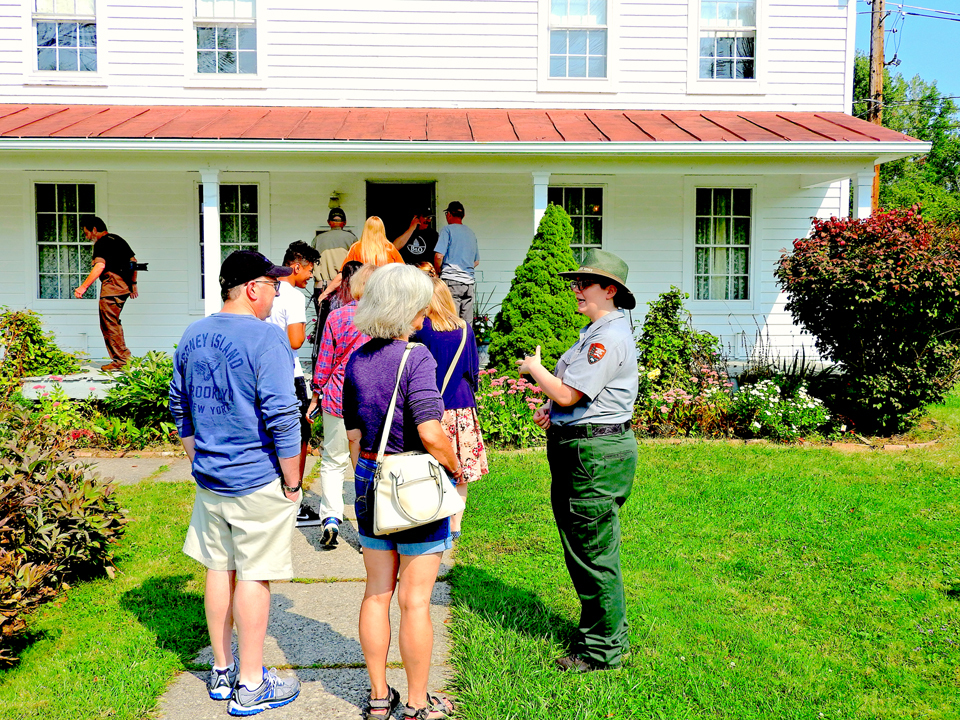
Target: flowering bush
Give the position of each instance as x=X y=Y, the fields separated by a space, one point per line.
x=505 y=408
x=765 y=409
x=699 y=409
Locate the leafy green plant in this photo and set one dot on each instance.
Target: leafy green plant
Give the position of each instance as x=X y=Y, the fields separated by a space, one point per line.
x=28 y=350
x=768 y=409
x=141 y=390
x=115 y=432
x=482 y=322
x=58 y=521
x=505 y=408
x=539 y=308
x=671 y=351
x=881 y=296
x=699 y=411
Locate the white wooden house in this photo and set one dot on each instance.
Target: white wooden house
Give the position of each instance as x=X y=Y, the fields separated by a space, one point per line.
x=695 y=138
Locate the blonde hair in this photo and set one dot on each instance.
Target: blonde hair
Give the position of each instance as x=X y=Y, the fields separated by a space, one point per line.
x=442 y=311
x=428 y=268
x=392 y=299
x=373 y=242
x=358 y=281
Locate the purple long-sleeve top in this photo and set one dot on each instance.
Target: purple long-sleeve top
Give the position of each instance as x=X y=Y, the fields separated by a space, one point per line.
x=368 y=386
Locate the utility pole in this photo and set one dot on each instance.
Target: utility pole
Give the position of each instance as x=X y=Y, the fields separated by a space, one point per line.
x=875 y=109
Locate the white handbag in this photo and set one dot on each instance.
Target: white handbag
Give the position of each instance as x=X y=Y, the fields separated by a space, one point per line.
x=411 y=488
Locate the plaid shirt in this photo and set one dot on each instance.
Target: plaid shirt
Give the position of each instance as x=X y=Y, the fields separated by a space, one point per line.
x=340 y=340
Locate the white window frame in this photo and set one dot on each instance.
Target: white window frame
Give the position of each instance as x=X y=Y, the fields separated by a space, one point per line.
x=603 y=211
x=262 y=180
x=690 y=185
x=194 y=79
x=609 y=84
x=75 y=78
x=703 y=86
x=31 y=265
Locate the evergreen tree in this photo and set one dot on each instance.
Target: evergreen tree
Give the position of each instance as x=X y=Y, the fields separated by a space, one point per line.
x=539 y=309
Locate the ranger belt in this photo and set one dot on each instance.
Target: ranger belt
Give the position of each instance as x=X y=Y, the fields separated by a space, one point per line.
x=571 y=432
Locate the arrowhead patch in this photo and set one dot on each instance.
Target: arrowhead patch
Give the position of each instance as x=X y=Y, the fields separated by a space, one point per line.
x=595 y=353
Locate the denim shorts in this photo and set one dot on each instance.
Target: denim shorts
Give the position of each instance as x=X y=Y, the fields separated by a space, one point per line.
x=423 y=540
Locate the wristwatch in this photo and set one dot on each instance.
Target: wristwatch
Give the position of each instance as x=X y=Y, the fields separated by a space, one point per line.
x=287 y=488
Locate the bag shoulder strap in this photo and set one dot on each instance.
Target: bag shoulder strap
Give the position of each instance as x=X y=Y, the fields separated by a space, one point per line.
x=456 y=359
x=388 y=418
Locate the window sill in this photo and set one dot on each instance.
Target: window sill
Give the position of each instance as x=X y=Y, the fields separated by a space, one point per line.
x=721 y=307
x=724 y=87
x=72 y=78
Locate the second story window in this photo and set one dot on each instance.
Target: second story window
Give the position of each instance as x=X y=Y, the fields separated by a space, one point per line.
x=66 y=35
x=226 y=36
x=578 y=38
x=728 y=39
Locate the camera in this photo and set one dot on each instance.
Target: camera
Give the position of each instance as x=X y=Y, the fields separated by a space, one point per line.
x=139 y=267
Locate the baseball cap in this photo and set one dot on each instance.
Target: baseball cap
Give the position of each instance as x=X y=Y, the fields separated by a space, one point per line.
x=455 y=208
x=242 y=266
x=337 y=214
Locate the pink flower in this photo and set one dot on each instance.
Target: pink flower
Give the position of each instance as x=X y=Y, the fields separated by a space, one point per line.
x=664 y=409
x=511 y=392
x=39 y=387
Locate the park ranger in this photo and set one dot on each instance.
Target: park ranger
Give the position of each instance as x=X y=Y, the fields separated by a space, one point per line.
x=593 y=454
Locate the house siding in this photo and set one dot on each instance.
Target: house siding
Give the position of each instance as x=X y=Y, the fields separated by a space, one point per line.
x=156 y=212
x=419 y=53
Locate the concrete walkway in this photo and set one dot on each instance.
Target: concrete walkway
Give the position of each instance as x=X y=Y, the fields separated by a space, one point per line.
x=313 y=620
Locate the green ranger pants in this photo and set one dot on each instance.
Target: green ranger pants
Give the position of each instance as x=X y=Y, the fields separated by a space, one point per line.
x=592 y=478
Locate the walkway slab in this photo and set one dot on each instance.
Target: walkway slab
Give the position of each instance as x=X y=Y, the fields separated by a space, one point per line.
x=327 y=694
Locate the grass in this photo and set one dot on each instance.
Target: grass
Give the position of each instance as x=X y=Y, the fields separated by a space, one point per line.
x=108 y=648
x=762 y=582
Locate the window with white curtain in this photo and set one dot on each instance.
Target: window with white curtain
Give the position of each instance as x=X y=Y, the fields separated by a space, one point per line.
x=64 y=255
x=578 y=38
x=226 y=36
x=66 y=32
x=728 y=39
x=723 y=233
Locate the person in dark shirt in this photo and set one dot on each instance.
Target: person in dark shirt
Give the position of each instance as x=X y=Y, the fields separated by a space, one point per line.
x=417 y=243
x=114 y=264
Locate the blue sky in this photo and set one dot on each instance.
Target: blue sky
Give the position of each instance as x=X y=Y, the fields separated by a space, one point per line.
x=926 y=47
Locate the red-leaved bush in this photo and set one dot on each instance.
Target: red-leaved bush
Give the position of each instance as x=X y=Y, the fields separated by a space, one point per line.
x=882 y=298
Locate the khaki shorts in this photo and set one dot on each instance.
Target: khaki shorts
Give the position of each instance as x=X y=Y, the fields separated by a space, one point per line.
x=250 y=534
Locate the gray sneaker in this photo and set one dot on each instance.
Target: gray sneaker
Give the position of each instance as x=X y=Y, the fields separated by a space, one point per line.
x=220 y=683
x=273 y=692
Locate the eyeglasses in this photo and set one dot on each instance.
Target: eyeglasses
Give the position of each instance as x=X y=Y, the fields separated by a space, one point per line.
x=275 y=283
x=579 y=284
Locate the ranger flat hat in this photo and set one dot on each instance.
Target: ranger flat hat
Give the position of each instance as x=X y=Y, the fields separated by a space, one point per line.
x=606 y=265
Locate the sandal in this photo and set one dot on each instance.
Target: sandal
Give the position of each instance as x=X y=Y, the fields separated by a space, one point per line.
x=437 y=708
x=381 y=708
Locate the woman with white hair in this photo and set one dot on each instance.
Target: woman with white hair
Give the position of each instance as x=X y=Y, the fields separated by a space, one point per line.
x=393 y=307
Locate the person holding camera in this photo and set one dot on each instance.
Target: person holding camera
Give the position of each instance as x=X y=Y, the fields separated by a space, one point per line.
x=116 y=267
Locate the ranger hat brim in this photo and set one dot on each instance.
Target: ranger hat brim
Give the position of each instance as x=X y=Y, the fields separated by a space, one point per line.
x=606 y=265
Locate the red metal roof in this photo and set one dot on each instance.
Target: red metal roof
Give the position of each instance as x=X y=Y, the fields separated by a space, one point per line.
x=433 y=124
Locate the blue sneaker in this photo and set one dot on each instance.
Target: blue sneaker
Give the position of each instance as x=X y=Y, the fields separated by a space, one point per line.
x=220 y=683
x=331 y=529
x=273 y=692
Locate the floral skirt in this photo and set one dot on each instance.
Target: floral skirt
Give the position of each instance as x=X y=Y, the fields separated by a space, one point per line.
x=462 y=428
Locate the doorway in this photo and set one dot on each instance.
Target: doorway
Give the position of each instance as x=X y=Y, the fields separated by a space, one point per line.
x=396 y=203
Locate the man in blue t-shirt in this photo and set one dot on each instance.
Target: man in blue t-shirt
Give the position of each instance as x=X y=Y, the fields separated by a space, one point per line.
x=455 y=258
x=232 y=398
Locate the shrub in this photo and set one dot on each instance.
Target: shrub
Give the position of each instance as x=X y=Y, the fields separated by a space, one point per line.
x=142 y=390
x=505 y=408
x=28 y=350
x=672 y=353
x=539 y=309
x=58 y=523
x=768 y=409
x=881 y=298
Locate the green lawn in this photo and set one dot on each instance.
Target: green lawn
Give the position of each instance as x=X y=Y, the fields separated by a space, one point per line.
x=762 y=582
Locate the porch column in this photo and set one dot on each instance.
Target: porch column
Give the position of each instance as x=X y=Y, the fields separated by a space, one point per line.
x=864 y=195
x=210 y=180
x=540 y=182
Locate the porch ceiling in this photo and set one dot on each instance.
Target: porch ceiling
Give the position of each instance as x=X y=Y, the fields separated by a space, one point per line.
x=586 y=132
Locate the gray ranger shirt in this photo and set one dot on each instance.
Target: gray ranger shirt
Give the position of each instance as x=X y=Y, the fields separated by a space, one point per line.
x=602 y=365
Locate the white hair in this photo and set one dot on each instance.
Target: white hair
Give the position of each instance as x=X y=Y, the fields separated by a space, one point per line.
x=391 y=300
